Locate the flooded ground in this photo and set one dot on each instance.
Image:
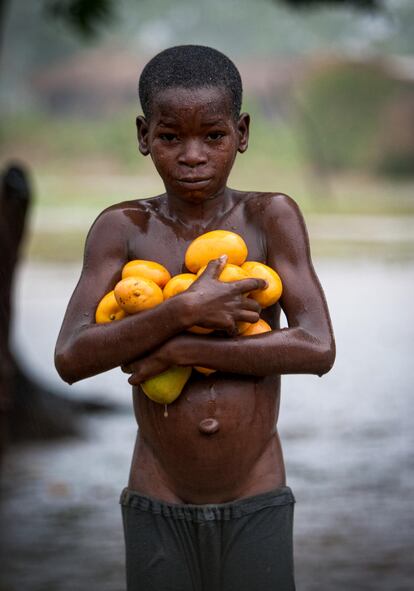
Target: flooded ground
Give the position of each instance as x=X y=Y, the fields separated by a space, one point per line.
x=348 y=441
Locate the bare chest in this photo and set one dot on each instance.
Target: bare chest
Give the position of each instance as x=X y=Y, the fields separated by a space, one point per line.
x=166 y=242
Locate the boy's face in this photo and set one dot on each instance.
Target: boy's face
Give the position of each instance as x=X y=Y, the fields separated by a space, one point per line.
x=193 y=140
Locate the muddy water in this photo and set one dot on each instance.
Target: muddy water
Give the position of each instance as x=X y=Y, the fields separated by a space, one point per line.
x=348 y=440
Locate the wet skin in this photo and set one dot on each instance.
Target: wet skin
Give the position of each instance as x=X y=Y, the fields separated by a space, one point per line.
x=219 y=441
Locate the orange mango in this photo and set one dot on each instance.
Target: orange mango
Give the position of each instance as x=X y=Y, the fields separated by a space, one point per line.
x=148 y=269
x=229 y=273
x=257 y=328
x=205 y=370
x=108 y=309
x=178 y=283
x=212 y=245
x=270 y=295
x=135 y=294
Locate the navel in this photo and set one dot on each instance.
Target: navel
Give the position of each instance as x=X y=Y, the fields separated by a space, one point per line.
x=209 y=426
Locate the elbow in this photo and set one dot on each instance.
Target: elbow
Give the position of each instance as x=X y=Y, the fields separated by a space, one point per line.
x=64 y=367
x=326 y=357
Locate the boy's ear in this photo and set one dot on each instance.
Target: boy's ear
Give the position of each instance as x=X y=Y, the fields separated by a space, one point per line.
x=243 y=129
x=142 y=135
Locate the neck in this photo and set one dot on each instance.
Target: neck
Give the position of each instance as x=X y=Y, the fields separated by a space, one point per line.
x=197 y=214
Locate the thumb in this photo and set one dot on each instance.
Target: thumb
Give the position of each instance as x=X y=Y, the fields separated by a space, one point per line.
x=215 y=267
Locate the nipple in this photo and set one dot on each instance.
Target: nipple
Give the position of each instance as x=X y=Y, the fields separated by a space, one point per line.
x=209 y=426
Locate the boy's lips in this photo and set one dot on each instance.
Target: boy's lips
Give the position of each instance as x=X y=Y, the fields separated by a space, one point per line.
x=196 y=181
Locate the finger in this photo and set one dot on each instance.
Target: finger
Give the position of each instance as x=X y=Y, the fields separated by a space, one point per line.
x=215 y=267
x=251 y=305
x=135 y=379
x=246 y=285
x=130 y=367
x=147 y=369
x=245 y=316
x=141 y=375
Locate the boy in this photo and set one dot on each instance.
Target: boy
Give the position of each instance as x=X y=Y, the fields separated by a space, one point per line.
x=207 y=506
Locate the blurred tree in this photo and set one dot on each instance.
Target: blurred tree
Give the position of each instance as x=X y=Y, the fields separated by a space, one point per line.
x=86 y=16
x=28 y=410
x=364 y=114
x=82 y=15
x=3 y=7
x=362 y=4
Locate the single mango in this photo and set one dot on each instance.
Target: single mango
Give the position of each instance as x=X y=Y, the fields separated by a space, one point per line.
x=135 y=294
x=148 y=269
x=108 y=309
x=257 y=328
x=229 y=273
x=204 y=370
x=270 y=295
x=165 y=387
x=178 y=283
x=212 y=245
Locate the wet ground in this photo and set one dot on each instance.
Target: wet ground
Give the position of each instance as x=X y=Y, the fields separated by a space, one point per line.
x=348 y=441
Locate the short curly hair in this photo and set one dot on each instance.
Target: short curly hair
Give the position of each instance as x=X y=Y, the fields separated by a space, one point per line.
x=190 y=66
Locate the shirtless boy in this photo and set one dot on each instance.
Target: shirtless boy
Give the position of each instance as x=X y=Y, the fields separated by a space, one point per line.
x=207 y=507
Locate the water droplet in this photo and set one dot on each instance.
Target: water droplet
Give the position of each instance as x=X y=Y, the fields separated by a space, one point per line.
x=165 y=411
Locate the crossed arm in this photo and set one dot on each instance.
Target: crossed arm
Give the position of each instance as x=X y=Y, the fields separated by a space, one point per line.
x=152 y=341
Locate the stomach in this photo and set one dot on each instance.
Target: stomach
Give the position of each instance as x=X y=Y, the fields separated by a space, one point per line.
x=217 y=441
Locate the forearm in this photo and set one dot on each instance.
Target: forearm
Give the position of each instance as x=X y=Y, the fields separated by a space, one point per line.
x=95 y=348
x=285 y=351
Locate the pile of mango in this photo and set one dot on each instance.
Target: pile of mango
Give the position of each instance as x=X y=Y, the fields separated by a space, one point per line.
x=146 y=284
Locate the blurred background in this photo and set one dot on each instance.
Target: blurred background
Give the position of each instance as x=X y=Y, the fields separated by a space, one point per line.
x=330 y=87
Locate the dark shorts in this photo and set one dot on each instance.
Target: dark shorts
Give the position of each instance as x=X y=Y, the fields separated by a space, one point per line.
x=245 y=545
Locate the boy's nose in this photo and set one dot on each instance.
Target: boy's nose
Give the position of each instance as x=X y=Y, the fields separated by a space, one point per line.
x=193 y=154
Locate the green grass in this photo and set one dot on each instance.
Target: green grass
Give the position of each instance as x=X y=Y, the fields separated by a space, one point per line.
x=52 y=247
x=93 y=190
x=81 y=143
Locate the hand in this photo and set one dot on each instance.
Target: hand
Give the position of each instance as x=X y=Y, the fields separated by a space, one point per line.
x=220 y=305
x=149 y=366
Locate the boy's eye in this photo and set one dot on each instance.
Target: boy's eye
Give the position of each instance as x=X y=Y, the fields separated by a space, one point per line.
x=215 y=135
x=168 y=137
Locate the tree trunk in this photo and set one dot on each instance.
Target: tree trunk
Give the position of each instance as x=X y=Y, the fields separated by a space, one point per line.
x=14 y=204
x=28 y=410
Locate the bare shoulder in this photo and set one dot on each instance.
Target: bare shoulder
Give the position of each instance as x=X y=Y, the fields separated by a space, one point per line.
x=115 y=224
x=279 y=218
x=272 y=207
x=134 y=211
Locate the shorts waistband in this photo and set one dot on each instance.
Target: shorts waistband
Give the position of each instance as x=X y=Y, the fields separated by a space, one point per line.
x=213 y=512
